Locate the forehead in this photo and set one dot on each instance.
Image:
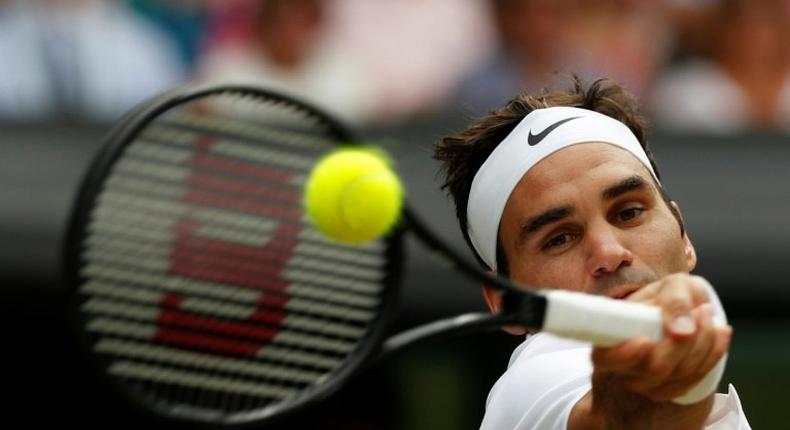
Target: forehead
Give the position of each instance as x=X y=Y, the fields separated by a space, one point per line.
x=578 y=167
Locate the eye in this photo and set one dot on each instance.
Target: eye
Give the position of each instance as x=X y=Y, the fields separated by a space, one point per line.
x=629 y=214
x=559 y=240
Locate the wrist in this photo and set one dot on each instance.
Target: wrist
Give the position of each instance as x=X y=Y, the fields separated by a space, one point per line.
x=610 y=405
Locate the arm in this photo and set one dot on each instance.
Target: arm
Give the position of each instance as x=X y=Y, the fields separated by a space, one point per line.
x=633 y=383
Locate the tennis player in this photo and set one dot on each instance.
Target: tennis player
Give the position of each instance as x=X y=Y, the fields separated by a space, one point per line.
x=560 y=190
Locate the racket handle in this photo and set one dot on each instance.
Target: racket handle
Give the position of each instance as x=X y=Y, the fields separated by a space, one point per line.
x=600 y=320
x=607 y=322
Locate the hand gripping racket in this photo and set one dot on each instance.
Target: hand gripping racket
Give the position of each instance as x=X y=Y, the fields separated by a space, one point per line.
x=203 y=294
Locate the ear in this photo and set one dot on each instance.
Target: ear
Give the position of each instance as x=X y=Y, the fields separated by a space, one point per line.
x=688 y=247
x=493 y=299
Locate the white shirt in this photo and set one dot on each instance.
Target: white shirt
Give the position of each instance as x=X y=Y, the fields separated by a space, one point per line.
x=547 y=375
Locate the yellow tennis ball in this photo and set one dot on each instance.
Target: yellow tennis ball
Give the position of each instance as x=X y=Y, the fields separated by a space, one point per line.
x=352 y=195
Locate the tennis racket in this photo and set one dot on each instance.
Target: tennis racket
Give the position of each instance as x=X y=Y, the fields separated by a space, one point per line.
x=203 y=294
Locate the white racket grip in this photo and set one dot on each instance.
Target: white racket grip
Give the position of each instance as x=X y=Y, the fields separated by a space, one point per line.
x=607 y=322
x=600 y=320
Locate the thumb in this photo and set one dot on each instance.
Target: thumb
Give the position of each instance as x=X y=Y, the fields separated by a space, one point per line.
x=676 y=301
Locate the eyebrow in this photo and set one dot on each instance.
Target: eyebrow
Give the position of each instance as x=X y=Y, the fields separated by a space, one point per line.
x=541 y=220
x=545 y=218
x=628 y=184
x=554 y=215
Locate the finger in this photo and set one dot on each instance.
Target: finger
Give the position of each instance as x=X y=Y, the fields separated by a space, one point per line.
x=670 y=390
x=623 y=357
x=702 y=345
x=659 y=366
x=676 y=388
x=679 y=294
x=720 y=347
x=660 y=391
x=663 y=379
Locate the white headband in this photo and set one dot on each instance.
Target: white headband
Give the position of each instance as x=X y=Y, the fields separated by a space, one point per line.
x=538 y=135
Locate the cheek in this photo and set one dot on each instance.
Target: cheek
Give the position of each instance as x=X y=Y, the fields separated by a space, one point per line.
x=664 y=251
x=561 y=272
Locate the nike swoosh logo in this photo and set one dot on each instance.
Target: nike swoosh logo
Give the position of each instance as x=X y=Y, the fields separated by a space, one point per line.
x=534 y=139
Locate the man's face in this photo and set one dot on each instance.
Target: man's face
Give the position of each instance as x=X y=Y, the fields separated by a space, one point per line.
x=589 y=218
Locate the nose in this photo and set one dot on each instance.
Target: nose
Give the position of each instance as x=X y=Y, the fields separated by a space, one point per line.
x=606 y=252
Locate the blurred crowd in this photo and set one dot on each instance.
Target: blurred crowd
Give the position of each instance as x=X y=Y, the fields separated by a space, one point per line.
x=706 y=66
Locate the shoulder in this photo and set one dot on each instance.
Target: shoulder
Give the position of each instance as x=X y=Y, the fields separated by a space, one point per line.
x=545 y=378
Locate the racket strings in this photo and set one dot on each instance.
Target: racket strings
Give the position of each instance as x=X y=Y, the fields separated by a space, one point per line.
x=117 y=275
x=168 y=307
x=204 y=286
x=134 y=176
x=294 y=136
x=211 y=267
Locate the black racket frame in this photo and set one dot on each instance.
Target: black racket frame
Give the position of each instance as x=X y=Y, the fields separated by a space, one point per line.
x=520 y=307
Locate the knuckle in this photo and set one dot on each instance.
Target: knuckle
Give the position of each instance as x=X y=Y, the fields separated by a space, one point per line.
x=675 y=305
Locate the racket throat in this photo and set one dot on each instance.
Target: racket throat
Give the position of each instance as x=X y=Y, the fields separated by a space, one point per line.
x=526 y=310
x=443 y=329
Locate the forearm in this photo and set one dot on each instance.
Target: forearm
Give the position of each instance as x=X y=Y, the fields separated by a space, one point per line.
x=607 y=407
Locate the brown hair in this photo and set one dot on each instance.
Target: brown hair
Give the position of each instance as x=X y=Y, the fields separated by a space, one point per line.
x=463 y=154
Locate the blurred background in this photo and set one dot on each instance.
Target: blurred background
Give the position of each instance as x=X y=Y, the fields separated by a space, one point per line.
x=713 y=75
